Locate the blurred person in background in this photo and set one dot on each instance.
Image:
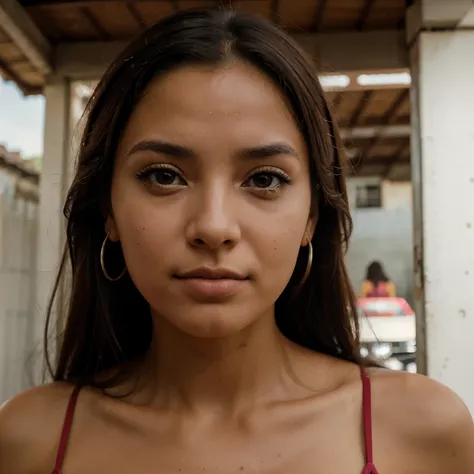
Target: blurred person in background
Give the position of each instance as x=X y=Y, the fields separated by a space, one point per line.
x=376 y=283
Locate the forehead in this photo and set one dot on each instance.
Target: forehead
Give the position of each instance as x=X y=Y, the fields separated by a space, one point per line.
x=233 y=101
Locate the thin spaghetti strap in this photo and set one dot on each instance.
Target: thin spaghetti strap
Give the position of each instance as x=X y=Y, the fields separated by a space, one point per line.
x=367 y=415
x=66 y=431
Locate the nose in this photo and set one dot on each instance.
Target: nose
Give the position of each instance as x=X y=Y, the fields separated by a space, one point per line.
x=213 y=222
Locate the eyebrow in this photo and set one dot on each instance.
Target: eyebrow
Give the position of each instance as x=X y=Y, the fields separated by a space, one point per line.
x=178 y=151
x=162 y=147
x=268 y=151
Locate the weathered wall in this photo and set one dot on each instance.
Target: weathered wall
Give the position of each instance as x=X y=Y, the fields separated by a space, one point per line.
x=383 y=234
x=18 y=220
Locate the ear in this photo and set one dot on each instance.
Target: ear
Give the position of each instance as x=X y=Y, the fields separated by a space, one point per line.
x=111 y=229
x=310 y=228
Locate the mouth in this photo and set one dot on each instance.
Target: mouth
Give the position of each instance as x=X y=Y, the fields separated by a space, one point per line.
x=207 y=273
x=211 y=283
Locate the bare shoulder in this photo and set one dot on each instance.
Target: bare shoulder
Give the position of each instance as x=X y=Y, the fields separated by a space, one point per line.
x=30 y=427
x=434 y=425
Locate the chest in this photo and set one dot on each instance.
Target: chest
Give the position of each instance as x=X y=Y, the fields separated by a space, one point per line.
x=318 y=447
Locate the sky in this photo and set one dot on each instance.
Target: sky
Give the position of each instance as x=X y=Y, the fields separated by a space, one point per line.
x=21 y=120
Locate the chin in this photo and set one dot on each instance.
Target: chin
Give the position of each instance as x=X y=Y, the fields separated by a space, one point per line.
x=210 y=320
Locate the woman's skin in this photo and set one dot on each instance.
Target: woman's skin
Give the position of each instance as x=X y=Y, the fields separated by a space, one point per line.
x=212 y=172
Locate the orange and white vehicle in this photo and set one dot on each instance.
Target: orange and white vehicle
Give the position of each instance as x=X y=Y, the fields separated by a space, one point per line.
x=388 y=331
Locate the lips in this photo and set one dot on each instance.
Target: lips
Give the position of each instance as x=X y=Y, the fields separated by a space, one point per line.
x=207 y=273
x=207 y=283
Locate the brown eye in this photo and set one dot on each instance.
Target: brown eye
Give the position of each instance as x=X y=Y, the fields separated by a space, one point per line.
x=263 y=180
x=161 y=176
x=268 y=180
x=164 y=177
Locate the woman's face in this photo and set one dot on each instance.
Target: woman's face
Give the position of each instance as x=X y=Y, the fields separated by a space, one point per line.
x=211 y=198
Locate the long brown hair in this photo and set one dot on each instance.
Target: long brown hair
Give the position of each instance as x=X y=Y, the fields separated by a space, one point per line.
x=108 y=324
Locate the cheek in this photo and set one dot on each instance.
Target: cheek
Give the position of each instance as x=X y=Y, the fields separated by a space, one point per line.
x=147 y=233
x=277 y=251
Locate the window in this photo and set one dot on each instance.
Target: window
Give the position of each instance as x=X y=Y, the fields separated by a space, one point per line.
x=368 y=196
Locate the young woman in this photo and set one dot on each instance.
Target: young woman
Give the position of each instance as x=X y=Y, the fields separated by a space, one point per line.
x=376 y=283
x=211 y=325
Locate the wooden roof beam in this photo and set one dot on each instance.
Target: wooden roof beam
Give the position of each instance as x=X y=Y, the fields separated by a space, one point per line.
x=95 y=23
x=81 y=3
x=341 y=52
x=275 y=11
x=174 y=5
x=379 y=132
x=319 y=15
x=382 y=161
x=357 y=51
x=18 y=25
x=362 y=20
x=397 y=158
x=357 y=165
x=385 y=120
x=9 y=75
x=135 y=14
x=361 y=106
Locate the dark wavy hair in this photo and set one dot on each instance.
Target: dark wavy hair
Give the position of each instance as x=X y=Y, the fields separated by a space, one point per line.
x=376 y=273
x=107 y=325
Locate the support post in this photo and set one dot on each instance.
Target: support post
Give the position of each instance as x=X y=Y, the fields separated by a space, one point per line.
x=443 y=182
x=53 y=186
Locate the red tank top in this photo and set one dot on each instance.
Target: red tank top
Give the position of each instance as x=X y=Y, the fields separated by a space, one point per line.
x=366 y=410
x=379 y=291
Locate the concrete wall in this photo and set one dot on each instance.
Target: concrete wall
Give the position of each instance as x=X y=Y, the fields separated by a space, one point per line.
x=443 y=176
x=383 y=234
x=18 y=219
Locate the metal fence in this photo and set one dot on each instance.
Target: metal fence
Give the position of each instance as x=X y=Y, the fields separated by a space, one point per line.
x=18 y=221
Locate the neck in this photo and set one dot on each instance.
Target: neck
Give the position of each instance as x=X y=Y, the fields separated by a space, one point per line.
x=227 y=372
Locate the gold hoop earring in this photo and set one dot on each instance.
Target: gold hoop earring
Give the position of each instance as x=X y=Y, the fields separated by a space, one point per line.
x=309 y=264
x=102 y=262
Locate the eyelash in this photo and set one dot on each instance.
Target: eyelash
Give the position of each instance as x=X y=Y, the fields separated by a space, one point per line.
x=285 y=180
